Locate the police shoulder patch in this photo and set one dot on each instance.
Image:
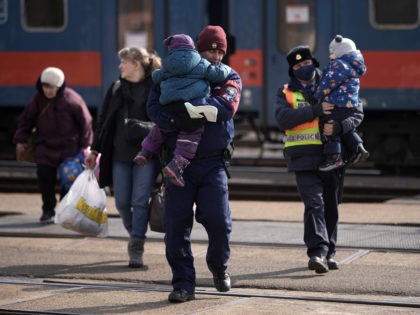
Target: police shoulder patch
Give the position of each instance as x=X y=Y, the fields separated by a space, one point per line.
x=230 y=94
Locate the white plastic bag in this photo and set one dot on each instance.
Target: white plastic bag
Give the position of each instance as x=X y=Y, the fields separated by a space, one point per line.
x=83 y=208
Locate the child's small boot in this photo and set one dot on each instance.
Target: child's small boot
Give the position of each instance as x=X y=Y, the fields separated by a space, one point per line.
x=331 y=162
x=173 y=171
x=360 y=154
x=142 y=157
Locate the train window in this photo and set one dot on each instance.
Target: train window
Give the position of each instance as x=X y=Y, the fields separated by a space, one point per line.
x=296 y=24
x=391 y=14
x=135 y=23
x=44 y=15
x=3 y=11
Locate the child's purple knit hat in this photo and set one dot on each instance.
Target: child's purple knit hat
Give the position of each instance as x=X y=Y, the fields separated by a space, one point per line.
x=179 y=40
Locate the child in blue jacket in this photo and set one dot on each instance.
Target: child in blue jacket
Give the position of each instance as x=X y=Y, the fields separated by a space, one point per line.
x=185 y=76
x=340 y=86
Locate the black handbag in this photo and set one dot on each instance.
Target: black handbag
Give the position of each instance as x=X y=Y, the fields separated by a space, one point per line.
x=157 y=197
x=157 y=210
x=136 y=130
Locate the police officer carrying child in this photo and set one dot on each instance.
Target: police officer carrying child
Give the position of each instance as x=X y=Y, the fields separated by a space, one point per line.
x=206 y=178
x=297 y=115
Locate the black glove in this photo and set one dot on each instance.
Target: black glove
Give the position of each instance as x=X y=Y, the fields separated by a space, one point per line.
x=187 y=124
x=177 y=108
x=317 y=110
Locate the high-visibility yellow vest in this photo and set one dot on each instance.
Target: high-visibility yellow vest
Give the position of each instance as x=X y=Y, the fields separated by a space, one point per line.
x=303 y=134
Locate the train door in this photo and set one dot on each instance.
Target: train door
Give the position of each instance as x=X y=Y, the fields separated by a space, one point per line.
x=133 y=26
x=290 y=23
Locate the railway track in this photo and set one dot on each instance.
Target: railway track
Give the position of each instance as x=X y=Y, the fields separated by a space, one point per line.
x=68 y=284
x=239 y=295
x=59 y=290
x=46 y=270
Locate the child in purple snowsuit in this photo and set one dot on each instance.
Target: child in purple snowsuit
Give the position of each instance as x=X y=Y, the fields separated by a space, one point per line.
x=340 y=86
x=185 y=76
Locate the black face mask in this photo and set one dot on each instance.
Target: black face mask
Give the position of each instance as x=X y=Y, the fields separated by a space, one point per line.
x=304 y=73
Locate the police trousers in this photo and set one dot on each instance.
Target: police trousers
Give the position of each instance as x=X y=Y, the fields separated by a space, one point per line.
x=320 y=193
x=206 y=187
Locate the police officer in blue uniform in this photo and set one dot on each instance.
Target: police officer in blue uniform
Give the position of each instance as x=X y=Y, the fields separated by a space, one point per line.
x=206 y=177
x=297 y=115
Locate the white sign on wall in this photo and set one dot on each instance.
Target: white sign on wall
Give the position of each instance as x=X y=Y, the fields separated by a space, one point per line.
x=297 y=14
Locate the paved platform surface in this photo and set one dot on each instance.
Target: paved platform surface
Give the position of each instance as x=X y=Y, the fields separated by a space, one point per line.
x=268 y=279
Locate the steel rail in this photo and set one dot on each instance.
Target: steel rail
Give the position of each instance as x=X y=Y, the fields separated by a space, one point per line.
x=215 y=293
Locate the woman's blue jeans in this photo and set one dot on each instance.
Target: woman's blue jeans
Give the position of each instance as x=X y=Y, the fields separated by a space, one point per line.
x=132 y=185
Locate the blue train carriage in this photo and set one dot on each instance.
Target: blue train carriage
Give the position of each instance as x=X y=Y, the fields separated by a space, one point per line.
x=83 y=37
x=388 y=34
x=262 y=32
x=80 y=37
x=386 y=31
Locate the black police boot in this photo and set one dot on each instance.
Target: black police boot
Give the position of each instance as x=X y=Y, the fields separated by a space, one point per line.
x=332 y=264
x=319 y=264
x=221 y=281
x=180 y=296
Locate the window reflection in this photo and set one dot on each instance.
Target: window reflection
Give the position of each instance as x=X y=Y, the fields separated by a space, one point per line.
x=390 y=14
x=44 y=15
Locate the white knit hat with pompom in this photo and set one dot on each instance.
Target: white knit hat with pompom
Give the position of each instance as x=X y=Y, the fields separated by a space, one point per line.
x=341 y=45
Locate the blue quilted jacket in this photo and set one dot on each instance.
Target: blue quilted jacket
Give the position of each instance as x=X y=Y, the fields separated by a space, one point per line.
x=185 y=76
x=340 y=80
